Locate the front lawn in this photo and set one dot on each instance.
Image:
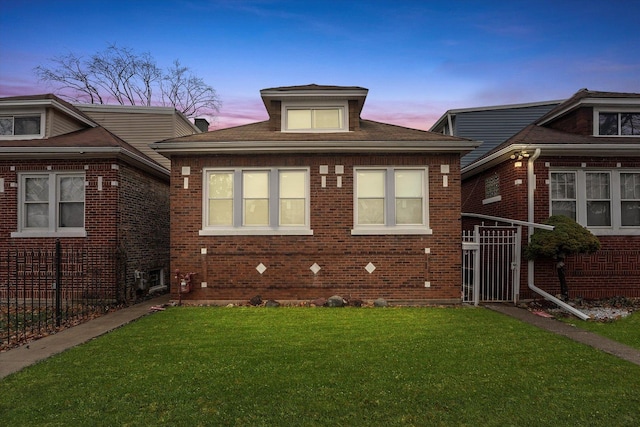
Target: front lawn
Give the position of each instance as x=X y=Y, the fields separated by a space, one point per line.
x=626 y=330
x=307 y=367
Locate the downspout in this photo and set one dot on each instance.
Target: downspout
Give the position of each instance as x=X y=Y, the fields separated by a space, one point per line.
x=450 y=123
x=531 y=187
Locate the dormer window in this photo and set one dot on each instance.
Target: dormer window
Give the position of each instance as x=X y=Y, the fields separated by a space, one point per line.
x=618 y=124
x=323 y=118
x=22 y=126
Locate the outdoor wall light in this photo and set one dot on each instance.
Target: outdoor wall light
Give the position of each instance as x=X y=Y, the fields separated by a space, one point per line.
x=519 y=155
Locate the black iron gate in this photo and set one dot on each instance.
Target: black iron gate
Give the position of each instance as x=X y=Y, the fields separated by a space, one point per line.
x=45 y=289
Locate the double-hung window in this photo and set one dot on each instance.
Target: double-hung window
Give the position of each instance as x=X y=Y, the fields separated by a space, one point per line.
x=605 y=201
x=51 y=204
x=256 y=201
x=317 y=118
x=630 y=199
x=563 y=194
x=390 y=200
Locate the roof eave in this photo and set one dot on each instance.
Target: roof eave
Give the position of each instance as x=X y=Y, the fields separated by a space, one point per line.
x=83 y=153
x=262 y=147
x=565 y=150
x=589 y=102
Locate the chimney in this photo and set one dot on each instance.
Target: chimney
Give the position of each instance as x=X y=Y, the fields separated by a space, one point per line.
x=202 y=124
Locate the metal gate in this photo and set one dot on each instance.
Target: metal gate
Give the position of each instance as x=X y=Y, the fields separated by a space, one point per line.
x=491 y=264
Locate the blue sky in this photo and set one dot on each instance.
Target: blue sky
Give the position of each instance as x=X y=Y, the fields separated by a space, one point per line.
x=417 y=58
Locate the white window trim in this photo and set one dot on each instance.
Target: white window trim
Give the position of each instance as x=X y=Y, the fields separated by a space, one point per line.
x=243 y=230
x=615 y=229
x=617 y=110
x=53 y=230
x=26 y=112
x=390 y=203
x=342 y=105
x=493 y=199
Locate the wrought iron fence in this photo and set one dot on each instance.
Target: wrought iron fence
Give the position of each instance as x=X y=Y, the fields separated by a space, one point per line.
x=43 y=290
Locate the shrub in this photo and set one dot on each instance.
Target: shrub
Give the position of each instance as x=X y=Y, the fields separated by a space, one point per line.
x=567 y=238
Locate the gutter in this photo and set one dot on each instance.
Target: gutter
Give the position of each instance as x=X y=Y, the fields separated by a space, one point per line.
x=238 y=147
x=54 y=152
x=531 y=186
x=601 y=149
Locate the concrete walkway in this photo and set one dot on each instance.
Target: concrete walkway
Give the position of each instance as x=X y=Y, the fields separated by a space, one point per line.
x=572 y=332
x=17 y=358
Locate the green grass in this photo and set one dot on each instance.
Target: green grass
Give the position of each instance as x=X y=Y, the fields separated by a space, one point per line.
x=309 y=367
x=626 y=330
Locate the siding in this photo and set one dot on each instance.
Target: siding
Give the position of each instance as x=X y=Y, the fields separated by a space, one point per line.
x=493 y=127
x=141 y=126
x=60 y=124
x=137 y=129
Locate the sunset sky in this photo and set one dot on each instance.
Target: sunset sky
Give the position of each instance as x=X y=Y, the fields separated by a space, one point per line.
x=417 y=58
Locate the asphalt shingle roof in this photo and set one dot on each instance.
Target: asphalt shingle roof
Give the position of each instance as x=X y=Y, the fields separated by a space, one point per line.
x=369 y=131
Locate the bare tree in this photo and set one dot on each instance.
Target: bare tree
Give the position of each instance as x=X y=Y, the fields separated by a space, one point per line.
x=119 y=74
x=70 y=72
x=187 y=92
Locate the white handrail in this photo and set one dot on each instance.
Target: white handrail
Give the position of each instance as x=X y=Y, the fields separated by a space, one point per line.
x=509 y=221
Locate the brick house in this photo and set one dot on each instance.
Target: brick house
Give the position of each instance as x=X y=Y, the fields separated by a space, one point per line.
x=65 y=177
x=581 y=159
x=316 y=201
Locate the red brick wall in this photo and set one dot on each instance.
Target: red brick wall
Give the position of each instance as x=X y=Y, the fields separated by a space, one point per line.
x=578 y=122
x=100 y=206
x=143 y=222
x=611 y=271
x=130 y=216
x=513 y=191
x=402 y=266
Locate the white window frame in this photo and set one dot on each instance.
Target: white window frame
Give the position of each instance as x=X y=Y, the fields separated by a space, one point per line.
x=342 y=106
x=616 y=227
x=619 y=111
x=237 y=227
x=25 y=113
x=389 y=204
x=53 y=230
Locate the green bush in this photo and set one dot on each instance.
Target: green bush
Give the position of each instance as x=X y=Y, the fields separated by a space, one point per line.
x=567 y=238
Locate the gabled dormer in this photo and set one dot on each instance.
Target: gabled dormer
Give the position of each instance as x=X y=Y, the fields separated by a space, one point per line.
x=592 y=113
x=314 y=108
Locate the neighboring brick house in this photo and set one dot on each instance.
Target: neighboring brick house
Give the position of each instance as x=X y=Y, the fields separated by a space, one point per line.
x=65 y=177
x=315 y=202
x=581 y=159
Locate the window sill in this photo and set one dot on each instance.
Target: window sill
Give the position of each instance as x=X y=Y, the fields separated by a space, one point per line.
x=492 y=200
x=255 y=232
x=615 y=232
x=389 y=230
x=41 y=234
x=345 y=130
